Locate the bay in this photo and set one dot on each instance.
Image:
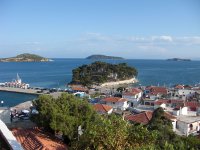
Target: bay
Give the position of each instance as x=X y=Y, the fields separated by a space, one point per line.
x=58 y=73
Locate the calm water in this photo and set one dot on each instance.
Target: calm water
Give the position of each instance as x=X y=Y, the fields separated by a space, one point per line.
x=59 y=72
x=12 y=99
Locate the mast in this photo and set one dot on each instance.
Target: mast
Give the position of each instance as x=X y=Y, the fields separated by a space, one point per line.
x=18 y=79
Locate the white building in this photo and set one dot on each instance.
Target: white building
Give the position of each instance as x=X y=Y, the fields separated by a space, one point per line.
x=188 y=124
x=103 y=109
x=133 y=96
x=116 y=103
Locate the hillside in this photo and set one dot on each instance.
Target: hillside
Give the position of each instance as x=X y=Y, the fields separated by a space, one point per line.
x=103 y=57
x=25 y=58
x=101 y=72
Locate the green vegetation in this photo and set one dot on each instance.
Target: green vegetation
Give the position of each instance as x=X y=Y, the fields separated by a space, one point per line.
x=103 y=57
x=101 y=72
x=24 y=58
x=67 y=112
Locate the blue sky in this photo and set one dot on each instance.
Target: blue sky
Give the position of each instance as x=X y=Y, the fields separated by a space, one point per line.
x=138 y=29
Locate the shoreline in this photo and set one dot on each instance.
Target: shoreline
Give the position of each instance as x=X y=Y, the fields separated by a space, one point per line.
x=130 y=81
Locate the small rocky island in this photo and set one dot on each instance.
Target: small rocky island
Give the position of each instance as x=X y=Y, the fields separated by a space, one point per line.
x=178 y=59
x=99 y=73
x=26 y=57
x=103 y=57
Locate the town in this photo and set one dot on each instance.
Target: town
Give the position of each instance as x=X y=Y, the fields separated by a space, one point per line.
x=135 y=104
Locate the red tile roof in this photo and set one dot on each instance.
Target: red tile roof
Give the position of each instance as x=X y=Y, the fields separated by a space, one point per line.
x=157 y=90
x=179 y=86
x=192 y=105
x=79 y=88
x=114 y=99
x=142 y=118
x=102 y=108
x=145 y=117
x=133 y=91
x=35 y=139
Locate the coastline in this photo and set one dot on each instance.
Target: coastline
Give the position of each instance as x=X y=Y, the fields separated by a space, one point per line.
x=130 y=81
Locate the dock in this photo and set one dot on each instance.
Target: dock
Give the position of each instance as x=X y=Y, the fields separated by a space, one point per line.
x=19 y=90
x=28 y=91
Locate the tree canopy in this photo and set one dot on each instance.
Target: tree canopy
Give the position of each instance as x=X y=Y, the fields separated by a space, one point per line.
x=101 y=72
x=106 y=132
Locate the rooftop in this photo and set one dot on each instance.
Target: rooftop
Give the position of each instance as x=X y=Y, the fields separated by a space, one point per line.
x=102 y=107
x=36 y=139
x=114 y=99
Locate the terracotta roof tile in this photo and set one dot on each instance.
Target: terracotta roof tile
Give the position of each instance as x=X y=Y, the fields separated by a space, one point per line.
x=142 y=118
x=78 y=88
x=114 y=99
x=157 y=90
x=102 y=107
x=145 y=117
x=133 y=91
x=35 y=139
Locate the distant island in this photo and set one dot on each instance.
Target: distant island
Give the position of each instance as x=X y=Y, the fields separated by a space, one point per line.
x=26 y=57
x=178 y=59
x=103 y=57
x=98 y=73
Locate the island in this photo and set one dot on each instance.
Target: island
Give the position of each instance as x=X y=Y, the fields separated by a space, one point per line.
x=26 y=57
x=178 y=59
x=103 y=57
x=102 y=73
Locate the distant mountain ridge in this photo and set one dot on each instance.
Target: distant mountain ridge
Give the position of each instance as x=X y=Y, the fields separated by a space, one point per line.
x=26 y=57
x=103 y=57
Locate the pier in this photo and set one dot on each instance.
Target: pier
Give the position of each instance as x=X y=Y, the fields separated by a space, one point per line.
x=19 y=90
x=29 y=91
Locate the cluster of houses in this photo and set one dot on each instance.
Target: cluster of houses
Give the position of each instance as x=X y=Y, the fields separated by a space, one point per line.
x=181 y=104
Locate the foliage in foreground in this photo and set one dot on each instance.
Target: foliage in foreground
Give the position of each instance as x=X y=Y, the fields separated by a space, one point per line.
x=66 y=113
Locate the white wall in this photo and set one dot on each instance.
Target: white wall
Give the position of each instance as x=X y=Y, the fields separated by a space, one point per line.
x=118 y=105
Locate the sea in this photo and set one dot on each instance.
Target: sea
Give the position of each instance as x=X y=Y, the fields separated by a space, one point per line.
x=57 y=73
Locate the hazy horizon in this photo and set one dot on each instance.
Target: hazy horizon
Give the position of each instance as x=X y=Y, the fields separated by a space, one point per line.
x=76 y=29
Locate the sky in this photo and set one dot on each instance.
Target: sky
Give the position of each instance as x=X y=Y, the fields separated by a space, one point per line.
x=133 y=29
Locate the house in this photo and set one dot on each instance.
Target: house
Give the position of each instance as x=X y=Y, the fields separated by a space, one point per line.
x=7 y=139
x=79 y=89
x=116 y=102
x=133 y=96
x=180 y=111
x=186 y=93
x=193 y=105
x=145 y=117
x=188 y=124
x=142 y=118
x=155 y=90
x=37 y=139
x=168 y=103
x=103 y=109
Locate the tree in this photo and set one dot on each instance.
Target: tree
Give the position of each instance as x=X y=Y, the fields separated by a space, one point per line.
x=64 y=114
x=100 y=72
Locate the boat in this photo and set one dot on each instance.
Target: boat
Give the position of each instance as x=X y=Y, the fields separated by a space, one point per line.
x=17 y=83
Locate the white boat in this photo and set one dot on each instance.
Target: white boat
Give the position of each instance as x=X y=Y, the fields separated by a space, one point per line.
x=16 y=83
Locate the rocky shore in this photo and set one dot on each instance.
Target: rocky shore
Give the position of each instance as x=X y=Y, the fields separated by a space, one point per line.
x=130 y=81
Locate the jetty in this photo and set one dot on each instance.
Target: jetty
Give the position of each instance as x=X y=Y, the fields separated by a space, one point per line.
x=19 y=90
x=29 y=91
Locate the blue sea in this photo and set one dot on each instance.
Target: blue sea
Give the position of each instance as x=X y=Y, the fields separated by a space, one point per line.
x=58 y=73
